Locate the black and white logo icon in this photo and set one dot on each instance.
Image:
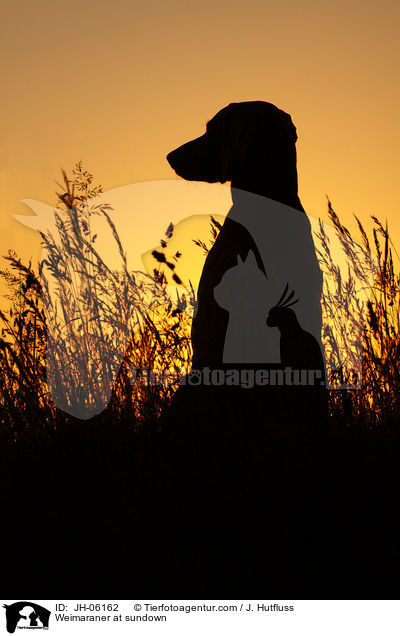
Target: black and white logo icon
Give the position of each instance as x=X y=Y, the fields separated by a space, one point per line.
x=26 y=615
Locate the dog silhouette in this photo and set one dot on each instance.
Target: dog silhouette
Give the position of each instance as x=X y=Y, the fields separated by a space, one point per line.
x=252 y=145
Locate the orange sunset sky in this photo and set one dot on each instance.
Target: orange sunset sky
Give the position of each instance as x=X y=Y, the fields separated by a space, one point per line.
x=120 y=84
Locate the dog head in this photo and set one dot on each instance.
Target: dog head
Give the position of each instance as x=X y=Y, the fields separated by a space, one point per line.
x=238 y=140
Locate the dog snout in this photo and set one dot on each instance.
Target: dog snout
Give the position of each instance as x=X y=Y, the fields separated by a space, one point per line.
x=193 y=161
x=189 y=161
x=171 y=158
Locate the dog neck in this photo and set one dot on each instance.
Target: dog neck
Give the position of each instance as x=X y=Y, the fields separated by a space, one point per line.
x=274 y=178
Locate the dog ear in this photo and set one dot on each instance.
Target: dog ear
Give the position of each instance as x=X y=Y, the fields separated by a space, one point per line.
x=258 y=135
x=288 y=126
x=237 y=133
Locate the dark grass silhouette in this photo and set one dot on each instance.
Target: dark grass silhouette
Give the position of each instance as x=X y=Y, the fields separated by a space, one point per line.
x=119 y=506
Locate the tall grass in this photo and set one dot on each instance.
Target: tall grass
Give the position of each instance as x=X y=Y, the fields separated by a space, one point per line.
x=23 y=390
x=76 y=330
x=361 y=321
